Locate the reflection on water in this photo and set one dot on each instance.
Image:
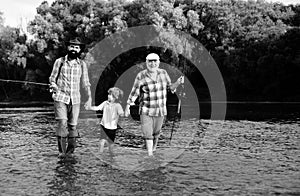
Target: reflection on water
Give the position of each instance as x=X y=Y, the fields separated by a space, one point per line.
x=232 y=157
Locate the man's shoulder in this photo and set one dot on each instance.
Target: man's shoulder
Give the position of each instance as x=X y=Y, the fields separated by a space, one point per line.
x=65 y=58
x=59 y=59
x=162 y=71
x=142 y=73
x=81 y=61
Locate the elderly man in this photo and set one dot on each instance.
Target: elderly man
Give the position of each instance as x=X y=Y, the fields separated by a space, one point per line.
x=151 y=86
x=67 y=74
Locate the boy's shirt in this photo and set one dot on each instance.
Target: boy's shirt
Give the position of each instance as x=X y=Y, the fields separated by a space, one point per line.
x=111 y=113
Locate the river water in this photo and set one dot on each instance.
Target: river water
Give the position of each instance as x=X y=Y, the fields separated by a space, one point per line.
x=231 y=157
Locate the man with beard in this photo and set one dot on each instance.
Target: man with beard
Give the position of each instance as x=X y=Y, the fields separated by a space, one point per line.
x=151 y=86
x=67 y=74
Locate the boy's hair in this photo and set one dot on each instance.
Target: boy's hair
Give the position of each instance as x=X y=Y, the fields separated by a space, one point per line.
x=116 y=92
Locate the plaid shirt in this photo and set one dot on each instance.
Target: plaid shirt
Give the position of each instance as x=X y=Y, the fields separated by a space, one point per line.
x=68 y=80
x=153 y=94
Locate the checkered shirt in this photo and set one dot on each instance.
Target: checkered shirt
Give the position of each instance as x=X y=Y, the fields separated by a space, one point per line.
x=68 y=80
x=152 y=94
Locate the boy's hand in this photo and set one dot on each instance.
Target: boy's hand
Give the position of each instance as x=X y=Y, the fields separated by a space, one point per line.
x=88 y=103
x=87 y=107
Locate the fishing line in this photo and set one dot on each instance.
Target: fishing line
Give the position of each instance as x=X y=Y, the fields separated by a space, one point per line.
x=24 y=82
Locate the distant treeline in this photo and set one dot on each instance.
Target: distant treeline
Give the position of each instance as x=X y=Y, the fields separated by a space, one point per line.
x=255 y=44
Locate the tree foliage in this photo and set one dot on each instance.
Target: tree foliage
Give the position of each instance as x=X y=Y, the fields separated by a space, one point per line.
x=254 y=43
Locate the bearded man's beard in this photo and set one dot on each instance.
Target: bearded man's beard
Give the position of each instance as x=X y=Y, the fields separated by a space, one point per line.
x=73 y=54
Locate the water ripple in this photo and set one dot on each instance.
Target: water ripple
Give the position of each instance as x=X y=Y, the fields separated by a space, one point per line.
x=224 y=158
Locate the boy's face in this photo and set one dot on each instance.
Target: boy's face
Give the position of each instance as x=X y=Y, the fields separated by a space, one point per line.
x=111 y=98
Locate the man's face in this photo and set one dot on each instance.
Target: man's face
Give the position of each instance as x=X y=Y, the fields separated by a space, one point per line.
x=152 y=64
x=73 y=50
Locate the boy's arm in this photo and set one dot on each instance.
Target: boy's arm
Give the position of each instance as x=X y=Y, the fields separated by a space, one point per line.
x=96 y=108
x=120 y=110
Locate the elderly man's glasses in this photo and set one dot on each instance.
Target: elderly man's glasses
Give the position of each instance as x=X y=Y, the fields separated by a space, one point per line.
x=152 y=60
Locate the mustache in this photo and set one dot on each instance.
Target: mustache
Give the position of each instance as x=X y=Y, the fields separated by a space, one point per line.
x=73 y=54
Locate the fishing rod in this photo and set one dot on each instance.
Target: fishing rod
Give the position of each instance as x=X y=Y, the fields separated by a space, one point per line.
x=181 y=94
x=24 y=82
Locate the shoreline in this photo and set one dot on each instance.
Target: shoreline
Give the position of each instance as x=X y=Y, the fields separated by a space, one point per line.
x=25 y=104
x=47 y=103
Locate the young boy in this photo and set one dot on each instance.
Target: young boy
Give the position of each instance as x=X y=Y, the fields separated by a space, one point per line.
x=111 y=112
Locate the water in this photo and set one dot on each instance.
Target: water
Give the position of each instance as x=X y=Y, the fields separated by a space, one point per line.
x=232 y=157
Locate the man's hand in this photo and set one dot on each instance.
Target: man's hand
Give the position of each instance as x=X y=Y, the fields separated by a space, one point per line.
x=53 y=87
x=88 y=103
x=127 y=110
x=180 y=80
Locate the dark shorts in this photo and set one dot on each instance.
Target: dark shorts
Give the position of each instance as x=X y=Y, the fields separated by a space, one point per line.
x=108 y=134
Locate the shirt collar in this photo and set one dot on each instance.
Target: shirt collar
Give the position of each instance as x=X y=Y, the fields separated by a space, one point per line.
x=66 y=59
x=159 y=71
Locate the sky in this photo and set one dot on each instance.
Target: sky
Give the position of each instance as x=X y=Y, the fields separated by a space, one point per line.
x=16 y=12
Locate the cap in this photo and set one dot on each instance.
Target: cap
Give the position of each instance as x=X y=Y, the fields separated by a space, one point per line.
x=152 y=56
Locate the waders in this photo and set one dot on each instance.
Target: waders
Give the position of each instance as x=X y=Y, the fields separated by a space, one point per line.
x=62 y=144
x=71 y=145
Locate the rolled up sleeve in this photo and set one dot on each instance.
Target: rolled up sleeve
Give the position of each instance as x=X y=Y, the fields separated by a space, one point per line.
x=135 y=92
x=85 y=76
x=54 y=73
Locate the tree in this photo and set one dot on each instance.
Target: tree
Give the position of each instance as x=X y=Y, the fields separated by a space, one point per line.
x=241 y=35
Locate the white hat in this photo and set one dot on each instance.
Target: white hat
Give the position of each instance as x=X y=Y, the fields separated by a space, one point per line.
x=152 y=56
